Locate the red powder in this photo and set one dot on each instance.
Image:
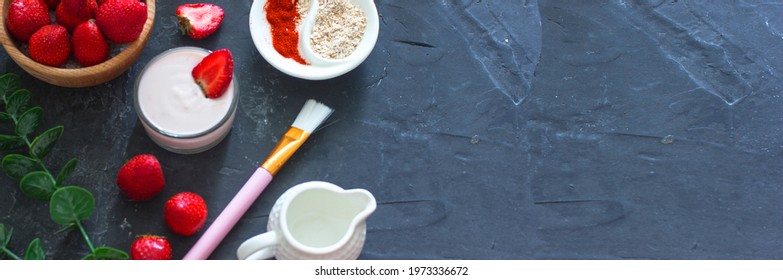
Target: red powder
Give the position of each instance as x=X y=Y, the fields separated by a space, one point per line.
x=283 y=16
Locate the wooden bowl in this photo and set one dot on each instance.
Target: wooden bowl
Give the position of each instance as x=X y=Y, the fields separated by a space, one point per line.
x=78 y=77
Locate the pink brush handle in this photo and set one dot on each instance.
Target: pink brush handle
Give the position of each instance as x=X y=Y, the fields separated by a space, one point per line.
x=230 y=215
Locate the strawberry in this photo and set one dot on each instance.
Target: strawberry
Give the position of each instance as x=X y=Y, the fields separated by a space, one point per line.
x=141 y=178
x=50 y=45
x=100 y=2
x=214 y=73
x=52 y=4
x=121 y=21
x=185 y=213
x=70 y=21
x=89 y=45
x=199 y=20
x=150 y=247
x=80 y=8
x=25 y=17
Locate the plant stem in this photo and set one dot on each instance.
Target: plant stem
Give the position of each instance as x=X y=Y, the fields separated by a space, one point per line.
x=9 y=253
x=30 y=148
x=24 y=137
x=43 y=166
x=86 y=238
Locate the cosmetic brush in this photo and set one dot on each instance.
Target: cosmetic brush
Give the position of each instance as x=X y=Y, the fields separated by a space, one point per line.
x=312 y=115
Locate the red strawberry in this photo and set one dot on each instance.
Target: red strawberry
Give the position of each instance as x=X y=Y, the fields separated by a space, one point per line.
x=122 y=21
x=141 y=178
x=52 y=4
x=214 y=73
x=69 y=20
x=199 y=20
x=150 y=247
x=25 y=17
x=89 y=45
x=81 y=8
x=50 y=45
x=185 y=213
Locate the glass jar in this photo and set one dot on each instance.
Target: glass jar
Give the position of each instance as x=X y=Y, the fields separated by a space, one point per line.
x=173 y=109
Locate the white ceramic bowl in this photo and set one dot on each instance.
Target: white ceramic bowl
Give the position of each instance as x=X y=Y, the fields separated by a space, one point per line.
x=259 y=30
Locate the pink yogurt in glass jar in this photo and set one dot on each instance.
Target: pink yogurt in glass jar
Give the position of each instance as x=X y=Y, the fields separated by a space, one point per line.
x=173 y=109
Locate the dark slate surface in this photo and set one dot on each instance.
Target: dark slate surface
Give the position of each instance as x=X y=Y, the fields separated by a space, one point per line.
x=485 y=129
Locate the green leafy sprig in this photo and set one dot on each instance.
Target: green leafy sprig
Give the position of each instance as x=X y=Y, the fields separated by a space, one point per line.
x=34 y=250
x=68 y=205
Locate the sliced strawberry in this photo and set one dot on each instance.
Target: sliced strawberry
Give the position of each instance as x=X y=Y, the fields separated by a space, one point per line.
x=199 y=20
x=214 y=73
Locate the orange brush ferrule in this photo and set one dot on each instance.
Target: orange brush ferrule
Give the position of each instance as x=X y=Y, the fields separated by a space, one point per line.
x=291 y=141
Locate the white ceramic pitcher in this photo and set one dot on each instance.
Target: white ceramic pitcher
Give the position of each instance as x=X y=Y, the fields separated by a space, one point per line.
x=313 y=220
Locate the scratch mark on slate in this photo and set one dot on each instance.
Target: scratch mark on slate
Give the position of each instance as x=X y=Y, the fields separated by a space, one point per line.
x=403 y=201
x=414 y=43
x=507 y=45
x=578 y=213
x=564 y=201
x=710 y=60
x=407 y=214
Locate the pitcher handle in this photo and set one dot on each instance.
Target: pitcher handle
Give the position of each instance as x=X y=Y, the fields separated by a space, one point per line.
x=259 y=247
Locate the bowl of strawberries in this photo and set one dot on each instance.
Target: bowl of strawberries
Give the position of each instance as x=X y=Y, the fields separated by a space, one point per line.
x=75 y=43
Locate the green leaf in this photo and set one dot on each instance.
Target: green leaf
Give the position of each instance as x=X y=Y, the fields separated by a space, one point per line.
x=70 y=205
x=65 y=172
x=107 y=253
x=5 y=238
x=35 y=251
x=37 y=185
x=29 y=121
x=5 y=117
x=65 y=228
x=9 y=82
x=18 y=100
x=5 y=235
x=45 y=142
x=17 y=166
x=10 y=142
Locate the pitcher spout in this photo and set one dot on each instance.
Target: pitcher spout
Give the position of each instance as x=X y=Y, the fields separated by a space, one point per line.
x=365 y=198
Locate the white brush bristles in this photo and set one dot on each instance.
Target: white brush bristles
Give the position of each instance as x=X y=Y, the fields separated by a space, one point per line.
x=312 y=115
